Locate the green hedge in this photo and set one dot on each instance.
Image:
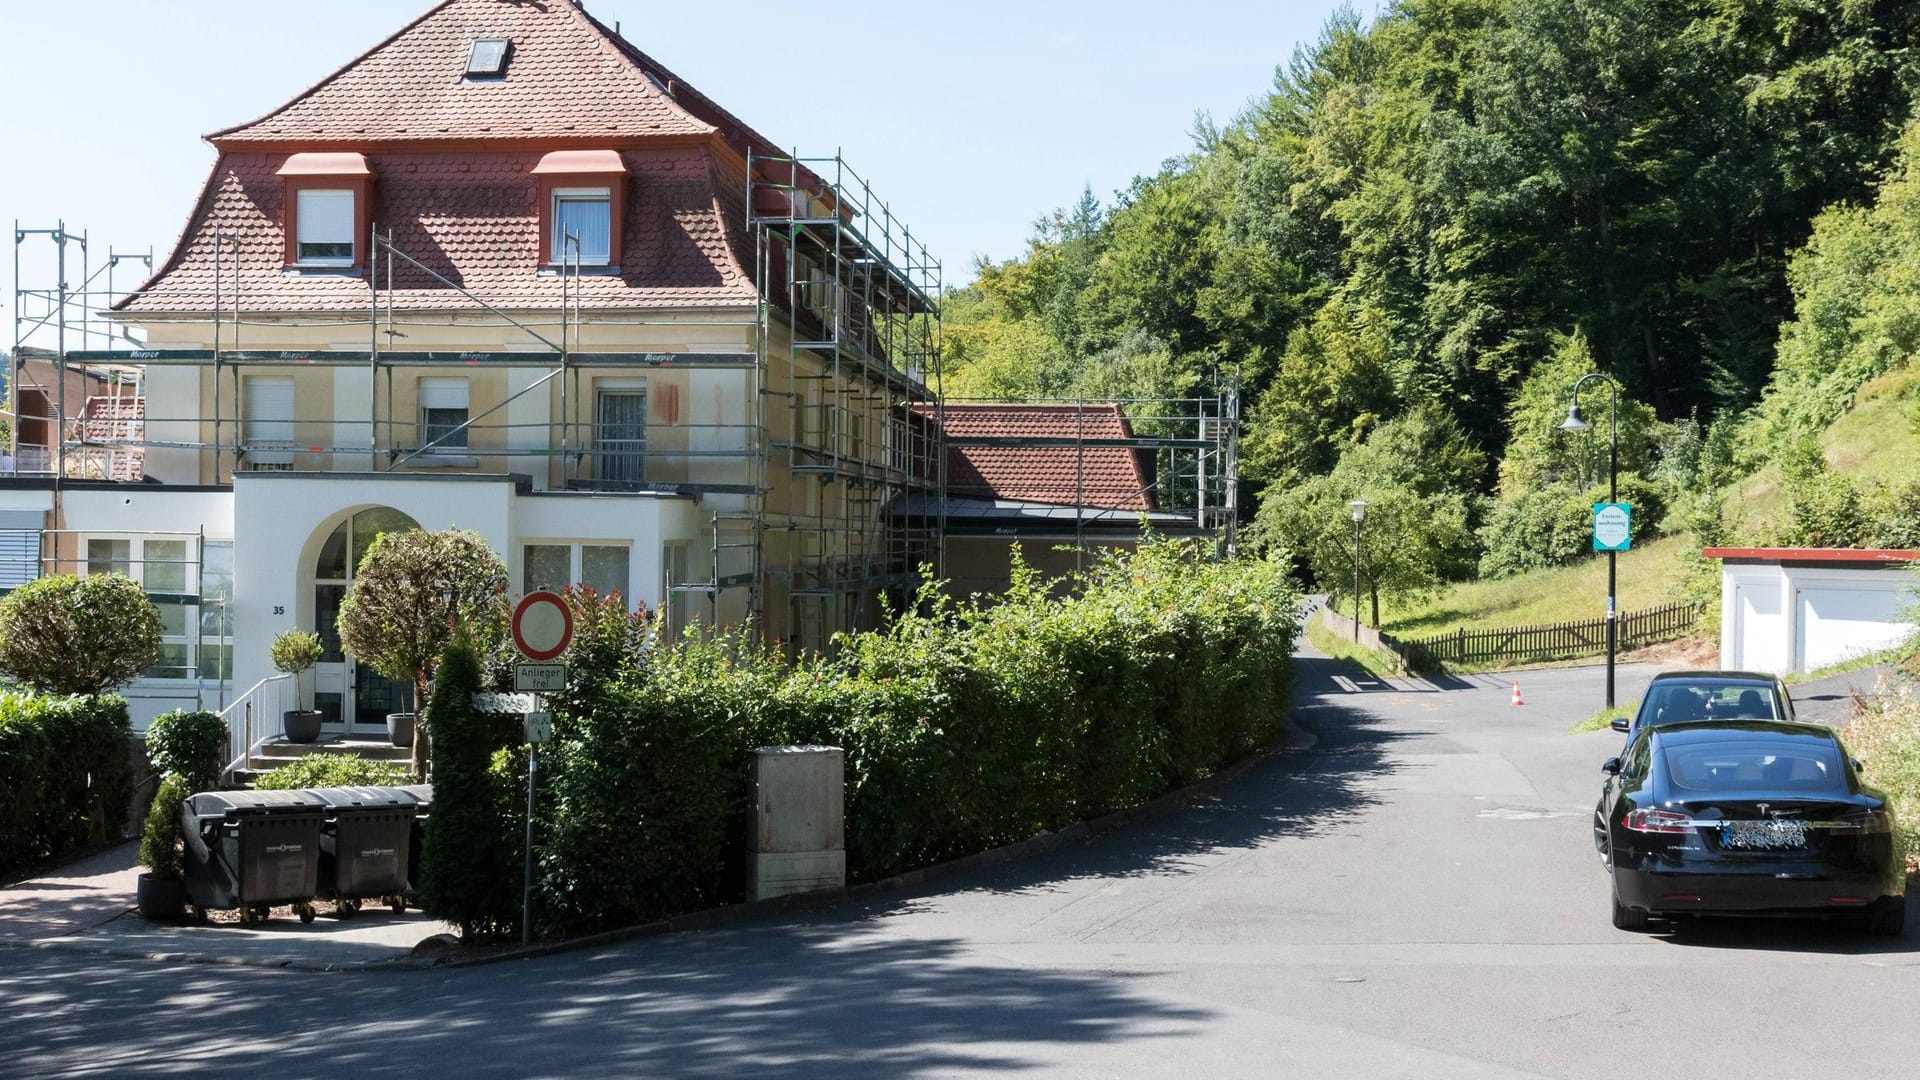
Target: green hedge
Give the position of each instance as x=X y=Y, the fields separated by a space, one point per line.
x=334 y=770
x=191 y=743
x=65 y=779
x=470 y=866
x=965 y=725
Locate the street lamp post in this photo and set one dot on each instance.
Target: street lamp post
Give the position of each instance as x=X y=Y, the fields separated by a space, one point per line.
x=1359 y=508
x=1575 y=422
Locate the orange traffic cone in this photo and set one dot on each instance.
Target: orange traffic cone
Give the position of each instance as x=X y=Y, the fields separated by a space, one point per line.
x=1516 y=693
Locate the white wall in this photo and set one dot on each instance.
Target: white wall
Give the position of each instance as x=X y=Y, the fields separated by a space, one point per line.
x=1795 y=618
x=584 y=518
x=146 y=508
x=281 y=519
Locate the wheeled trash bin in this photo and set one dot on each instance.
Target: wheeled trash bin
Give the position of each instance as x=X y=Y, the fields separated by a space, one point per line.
x=252 y=850
x=364 y=845
x=422 y=796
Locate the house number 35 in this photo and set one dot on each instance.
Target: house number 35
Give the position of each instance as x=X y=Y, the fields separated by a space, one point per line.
x=279 y=609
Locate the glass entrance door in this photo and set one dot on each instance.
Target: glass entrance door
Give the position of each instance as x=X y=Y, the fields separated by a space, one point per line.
x=352 y=697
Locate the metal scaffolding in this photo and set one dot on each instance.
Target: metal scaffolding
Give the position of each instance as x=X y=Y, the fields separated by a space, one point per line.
x=849 y=342
x=827 y=488
x=44 y=318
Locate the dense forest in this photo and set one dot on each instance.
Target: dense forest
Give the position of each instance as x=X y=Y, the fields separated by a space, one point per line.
x=1438 y=218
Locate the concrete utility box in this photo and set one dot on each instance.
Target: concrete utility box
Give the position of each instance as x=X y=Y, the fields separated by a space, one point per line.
x=799 y=840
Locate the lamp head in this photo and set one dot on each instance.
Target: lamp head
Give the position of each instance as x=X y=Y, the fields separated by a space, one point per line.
x=1574 y=421
x=1359 y=508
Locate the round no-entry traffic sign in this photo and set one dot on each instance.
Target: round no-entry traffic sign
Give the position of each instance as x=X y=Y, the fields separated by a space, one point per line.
x=542 y=626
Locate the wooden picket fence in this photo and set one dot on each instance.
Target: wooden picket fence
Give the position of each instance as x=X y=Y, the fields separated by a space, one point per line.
x=1548 y=641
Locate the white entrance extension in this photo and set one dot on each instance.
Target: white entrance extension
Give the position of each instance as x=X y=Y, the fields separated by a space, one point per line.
x=277 y=549
x=1800 y=609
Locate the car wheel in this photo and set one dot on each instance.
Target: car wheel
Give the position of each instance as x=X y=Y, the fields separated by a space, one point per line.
x=1626 y=918
x=1600 y=840
x=1891 y=921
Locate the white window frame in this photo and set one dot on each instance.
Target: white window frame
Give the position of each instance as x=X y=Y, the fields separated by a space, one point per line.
x=629 y=387
x=577 y=558
x=557 y=247
x=445 y=395
x=261 y=450
x=193 y=640
x=303 y=219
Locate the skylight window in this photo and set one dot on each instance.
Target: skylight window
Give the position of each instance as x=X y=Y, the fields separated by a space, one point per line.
x=488 y=58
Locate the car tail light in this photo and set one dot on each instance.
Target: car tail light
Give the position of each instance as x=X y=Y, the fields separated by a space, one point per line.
x=1846 y=899
x=1657 y=821
x=1873 y=821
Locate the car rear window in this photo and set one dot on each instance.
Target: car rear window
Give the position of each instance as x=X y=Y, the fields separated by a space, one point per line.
x=1708 y=699
x=1755 y=765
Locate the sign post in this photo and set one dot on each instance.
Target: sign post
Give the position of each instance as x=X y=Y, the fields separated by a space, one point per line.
x=1613 y=534
x=542 y=630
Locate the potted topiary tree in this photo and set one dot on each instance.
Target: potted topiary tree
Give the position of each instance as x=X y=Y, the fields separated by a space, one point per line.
x=412 y=591
x=162 y=891
x=295 y=652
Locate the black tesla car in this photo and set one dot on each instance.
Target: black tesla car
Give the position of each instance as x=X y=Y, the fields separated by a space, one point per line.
x=1678 y=697
x=1746 y=817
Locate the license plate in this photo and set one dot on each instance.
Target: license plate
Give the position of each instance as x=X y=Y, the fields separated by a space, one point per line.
x=1766 y=835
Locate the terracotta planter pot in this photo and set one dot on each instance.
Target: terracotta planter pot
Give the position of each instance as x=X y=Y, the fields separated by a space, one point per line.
x=161 y=900
x=303 y=725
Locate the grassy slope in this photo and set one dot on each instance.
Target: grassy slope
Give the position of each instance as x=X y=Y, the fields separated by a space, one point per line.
x=1647 y=577
x=1872 y=442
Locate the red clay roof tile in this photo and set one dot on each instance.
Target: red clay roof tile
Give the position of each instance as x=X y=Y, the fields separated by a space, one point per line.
x=1103 y=477
x=471 y=218
x=566 y=77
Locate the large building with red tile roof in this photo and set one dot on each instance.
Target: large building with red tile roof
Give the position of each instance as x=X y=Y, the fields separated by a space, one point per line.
x=507 y=272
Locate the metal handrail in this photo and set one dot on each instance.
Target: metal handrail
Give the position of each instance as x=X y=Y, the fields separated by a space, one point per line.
x=244 y=733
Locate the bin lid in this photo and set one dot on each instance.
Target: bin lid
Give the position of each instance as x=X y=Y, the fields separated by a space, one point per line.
x=364 y=798
x=422 y=794
x=231 y=804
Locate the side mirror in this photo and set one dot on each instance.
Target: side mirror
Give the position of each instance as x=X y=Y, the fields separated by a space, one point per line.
x=1621 y=725
x=1858 y=765
x=1611 y=766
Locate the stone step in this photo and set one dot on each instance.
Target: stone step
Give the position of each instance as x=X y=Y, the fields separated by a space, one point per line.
x=280 y=751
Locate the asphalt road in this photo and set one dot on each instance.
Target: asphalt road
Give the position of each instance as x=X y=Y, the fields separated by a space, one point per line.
x=1413 y=896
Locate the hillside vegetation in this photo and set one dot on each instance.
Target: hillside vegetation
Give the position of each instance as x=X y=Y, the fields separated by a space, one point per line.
x=1436 y=220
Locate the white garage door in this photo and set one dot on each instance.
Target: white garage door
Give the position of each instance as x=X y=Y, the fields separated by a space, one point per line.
x=1839 y=624
x=1760 y=635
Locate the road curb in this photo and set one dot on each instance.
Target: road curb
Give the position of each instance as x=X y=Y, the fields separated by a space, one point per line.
x=1297 y=739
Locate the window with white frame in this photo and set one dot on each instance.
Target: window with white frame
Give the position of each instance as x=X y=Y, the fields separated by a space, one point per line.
x=620 y=431
x=586 y=215
x=267 y=425
x=325 y=222
x=443 y=414
x=191 y=590
x=554 y=566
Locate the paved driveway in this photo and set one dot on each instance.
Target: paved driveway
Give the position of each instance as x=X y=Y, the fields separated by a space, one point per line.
x=1414 y=896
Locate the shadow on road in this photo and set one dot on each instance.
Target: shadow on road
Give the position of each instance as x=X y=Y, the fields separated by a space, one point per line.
x=1836 y=937
x=1295 y=794
x=770 y=1003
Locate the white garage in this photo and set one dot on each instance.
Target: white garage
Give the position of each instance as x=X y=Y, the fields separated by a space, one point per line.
x=1799 y=609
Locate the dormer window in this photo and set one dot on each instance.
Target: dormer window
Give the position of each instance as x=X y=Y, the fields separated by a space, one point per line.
x=327 y=206
x=323 y=218
x=582 y=227
x=488 y=58
x=582 y=196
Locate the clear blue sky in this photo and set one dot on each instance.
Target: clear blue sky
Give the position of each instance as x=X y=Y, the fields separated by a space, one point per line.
x=971 y=119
